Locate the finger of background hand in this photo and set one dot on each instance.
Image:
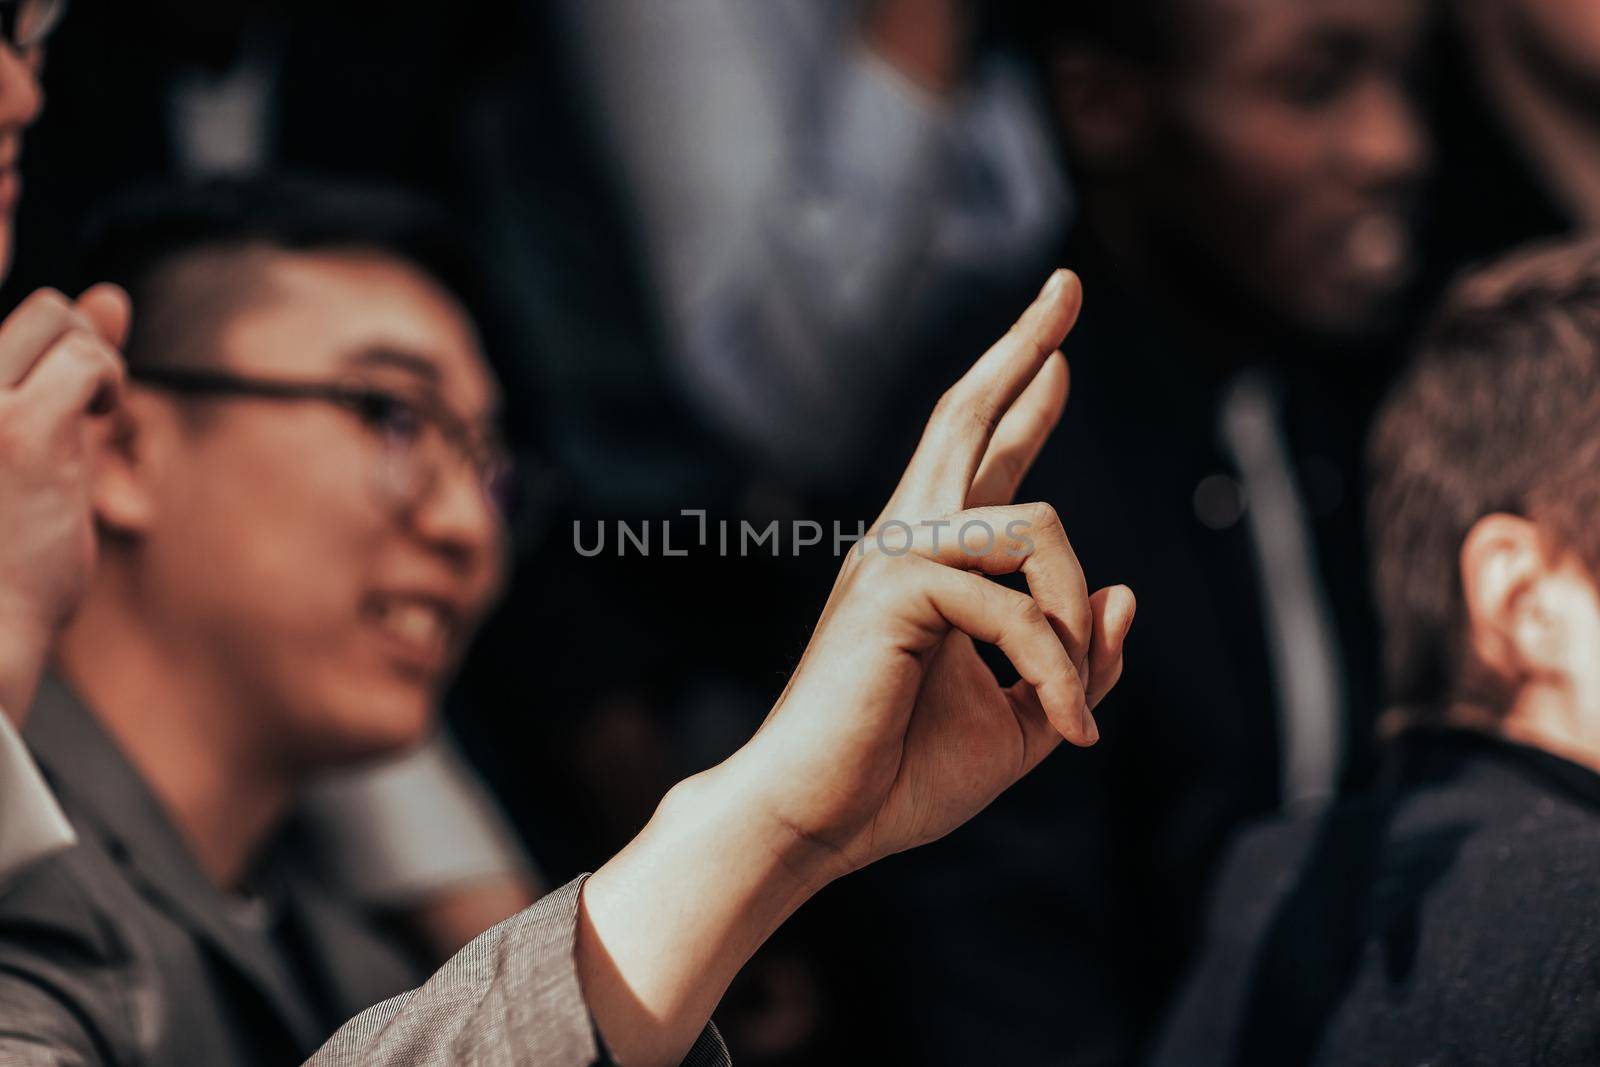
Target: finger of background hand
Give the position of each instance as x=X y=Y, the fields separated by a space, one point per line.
x=79 y=372
x=1003 y=540
x=1113 y=610
x=1021 y=435
x=957 y=435
x=110 y=309
x=31 y=329
x=1015 y=624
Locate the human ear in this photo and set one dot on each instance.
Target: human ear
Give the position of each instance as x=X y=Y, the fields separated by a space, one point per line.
x=1515 y=626
x=122 y=451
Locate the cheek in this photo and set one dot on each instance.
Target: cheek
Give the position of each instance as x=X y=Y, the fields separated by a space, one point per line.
x=1257 y=168
x=281 y=537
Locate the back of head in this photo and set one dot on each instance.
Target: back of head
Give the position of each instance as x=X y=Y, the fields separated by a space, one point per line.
x=1500 y=413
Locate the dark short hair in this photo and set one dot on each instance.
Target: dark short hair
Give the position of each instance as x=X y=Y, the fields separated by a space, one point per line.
x=142 y=240
x=1500 y=412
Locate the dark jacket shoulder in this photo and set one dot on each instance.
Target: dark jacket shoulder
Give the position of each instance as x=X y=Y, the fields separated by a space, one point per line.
x=1451 y=916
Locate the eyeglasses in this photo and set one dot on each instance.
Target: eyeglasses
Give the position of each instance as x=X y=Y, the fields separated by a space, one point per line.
x=25 y=24
x=418 y=437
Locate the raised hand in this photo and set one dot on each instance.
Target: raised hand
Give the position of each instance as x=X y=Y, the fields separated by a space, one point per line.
x=893 y=731
x=59 y=365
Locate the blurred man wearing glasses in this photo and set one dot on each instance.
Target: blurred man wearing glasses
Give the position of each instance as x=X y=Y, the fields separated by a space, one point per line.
x=295 y=541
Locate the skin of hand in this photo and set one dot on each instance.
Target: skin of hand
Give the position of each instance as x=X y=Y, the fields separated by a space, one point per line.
x=59 y=368
x=928 y=41
x=892 y=731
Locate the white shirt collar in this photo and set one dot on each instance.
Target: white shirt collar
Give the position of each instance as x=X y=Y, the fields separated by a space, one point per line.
x=32 y=825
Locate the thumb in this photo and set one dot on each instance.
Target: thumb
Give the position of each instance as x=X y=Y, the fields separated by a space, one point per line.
x=109 y=307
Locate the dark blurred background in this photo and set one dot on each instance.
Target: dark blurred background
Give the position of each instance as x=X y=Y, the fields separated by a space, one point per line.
x=738 y=248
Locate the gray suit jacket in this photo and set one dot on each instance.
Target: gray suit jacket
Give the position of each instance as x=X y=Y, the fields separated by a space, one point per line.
x=509 y=999
x=121 y=951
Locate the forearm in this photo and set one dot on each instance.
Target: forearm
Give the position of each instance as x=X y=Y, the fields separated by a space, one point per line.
x=665 y=925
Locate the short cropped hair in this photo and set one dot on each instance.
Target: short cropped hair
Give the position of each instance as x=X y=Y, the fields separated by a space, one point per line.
x=1500 y=412
x=189 y=253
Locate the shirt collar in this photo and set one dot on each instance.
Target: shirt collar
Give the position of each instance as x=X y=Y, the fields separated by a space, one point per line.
x=32 y=825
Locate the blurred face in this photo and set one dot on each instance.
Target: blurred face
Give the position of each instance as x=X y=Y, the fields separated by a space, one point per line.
x=1287 y=151
x=21 y=101
x=280 y=545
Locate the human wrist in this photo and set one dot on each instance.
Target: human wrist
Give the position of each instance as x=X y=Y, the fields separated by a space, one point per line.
x=24 y=646
x=725 y=815
x=667 y=923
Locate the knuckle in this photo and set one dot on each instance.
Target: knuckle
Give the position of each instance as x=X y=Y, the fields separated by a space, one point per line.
x=961 y=407
x=1028 y=613
x=1043 y=516
x=87 y=351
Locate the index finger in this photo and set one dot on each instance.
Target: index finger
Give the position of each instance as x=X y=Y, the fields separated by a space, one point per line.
x=942 y=470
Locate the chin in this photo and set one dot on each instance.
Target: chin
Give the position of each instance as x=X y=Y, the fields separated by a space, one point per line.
x=1347 y=313
x=373 y=720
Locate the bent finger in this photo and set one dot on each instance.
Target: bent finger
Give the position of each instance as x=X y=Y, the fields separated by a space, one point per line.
x=1113 y=610
x=1016 y=625
x=31 y=329
x=1003 y=540
x=109 y=308
x=80 y=372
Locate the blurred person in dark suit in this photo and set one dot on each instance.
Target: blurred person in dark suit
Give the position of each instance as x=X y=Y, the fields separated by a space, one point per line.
x=1246 y=172
x=1447 y=916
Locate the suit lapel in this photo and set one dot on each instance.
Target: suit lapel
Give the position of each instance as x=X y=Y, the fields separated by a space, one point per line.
x=99 y=784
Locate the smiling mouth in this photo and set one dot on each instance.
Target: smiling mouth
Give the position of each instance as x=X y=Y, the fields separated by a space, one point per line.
x=419 y=631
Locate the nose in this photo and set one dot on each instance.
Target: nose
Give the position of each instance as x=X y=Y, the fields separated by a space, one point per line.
x=1387 y=147
x=21 y=96
x=456 y=520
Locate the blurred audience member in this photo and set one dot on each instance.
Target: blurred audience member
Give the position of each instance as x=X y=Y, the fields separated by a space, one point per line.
x=217 y=88
x=1447 y=915
x=1246 y=171
x=810 y=178
x=295 y=543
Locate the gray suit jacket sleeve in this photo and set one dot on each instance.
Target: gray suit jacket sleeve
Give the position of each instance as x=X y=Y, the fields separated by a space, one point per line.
x=509 y=999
